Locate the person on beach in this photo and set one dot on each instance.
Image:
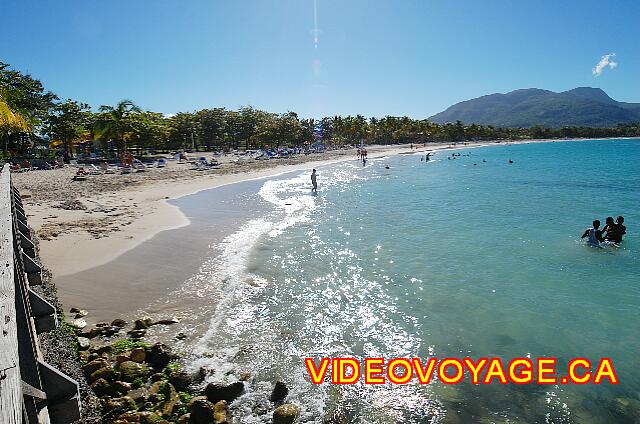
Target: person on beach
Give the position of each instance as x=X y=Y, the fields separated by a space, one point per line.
x=594 y=234
x=314 y=182
x=359 y=153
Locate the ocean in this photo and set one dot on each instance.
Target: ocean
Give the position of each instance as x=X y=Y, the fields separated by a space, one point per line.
x=466 y=257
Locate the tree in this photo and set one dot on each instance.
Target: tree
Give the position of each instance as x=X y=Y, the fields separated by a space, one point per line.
x=68 y=122
x=112 y=123
x=10 y=121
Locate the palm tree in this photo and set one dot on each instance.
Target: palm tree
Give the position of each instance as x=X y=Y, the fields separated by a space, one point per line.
x=112 y=123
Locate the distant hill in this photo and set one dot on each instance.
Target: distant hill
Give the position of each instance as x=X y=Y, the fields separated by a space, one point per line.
x=582 y=106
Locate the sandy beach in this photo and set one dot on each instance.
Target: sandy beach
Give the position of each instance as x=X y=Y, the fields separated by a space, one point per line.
x=84 y=224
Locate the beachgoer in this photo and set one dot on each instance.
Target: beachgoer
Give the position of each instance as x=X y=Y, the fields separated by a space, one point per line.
x=623 y=229
x=359 y=153
x=594 y=234
x=614 y=230
x=314 y=181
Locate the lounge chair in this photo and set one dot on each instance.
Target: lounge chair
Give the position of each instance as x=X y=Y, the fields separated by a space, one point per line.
x=162 y=162
x=94 y=170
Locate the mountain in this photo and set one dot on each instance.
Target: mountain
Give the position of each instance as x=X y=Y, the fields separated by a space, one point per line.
x=582 y=106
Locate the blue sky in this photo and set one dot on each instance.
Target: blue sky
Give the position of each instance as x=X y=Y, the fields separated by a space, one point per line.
x=404 y=57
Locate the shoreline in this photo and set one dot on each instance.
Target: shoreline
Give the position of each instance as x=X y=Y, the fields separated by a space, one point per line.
x=68 y=250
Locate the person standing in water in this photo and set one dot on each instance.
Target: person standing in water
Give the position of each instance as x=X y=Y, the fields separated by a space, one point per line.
x=594 y=234
x=314 y=182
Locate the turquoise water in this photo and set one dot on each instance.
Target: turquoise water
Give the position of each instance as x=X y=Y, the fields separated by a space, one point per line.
x=443 y=258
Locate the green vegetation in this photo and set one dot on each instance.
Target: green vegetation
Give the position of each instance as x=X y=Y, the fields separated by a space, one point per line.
x=125 y=345
x=32 y=119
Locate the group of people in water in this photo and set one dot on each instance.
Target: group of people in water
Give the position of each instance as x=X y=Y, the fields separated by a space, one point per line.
x=611 y=233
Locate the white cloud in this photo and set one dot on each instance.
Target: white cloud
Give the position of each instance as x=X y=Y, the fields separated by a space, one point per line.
x=605 y=61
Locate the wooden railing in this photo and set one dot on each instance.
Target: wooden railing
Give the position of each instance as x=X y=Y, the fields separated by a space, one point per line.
x=31 y=391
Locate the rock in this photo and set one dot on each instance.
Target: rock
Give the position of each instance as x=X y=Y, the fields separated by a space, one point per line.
x=110 y=331
x=83 y=343
x=142 y=324
x=101 y=387
x=90 y=334
x=156 y=388
x=184 y=419
x=181 y=380
x=137 y=334
x=95 y=365
x=74 y=310
x=81 y=314
x=138 y=355
x=221 y=413
x=101 y=350
x=131 y=417
x=131 y=370
x=628 y=408
x=79 y=323
x=106 y=373
x=139 y=396
x=123 y=404
x=218 y=392
x=92 y=356
x=122 y=358
x=244 y=376
x=118 y=323
x=172 y=399
x=285 y=414
x=181 y=336
x=157 y=377
x=102 y=324
x=159 y=356
x=121 y=387
x=279 y=393
x=201 y=411
x=166 y=321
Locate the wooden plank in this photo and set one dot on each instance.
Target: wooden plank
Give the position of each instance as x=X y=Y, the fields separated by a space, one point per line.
x=10 y=383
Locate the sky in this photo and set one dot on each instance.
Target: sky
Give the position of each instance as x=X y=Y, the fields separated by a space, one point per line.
x=369 y=57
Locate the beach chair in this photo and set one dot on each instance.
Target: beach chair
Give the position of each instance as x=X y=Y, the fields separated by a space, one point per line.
x=139 y=166
x=162 y=162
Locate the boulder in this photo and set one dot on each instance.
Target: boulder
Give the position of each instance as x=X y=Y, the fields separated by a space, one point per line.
x=123 y=404
x=131 y=417
x=106 y=373
x=221 y=413
x=139 y=396
x=131 y=370
x=79 y=323
x=285 y=414
x=74 y=310
x=201 y=411
x=83 y=343
x=101 y=387
x=81 y=314
x=217 y=392
x=137 y=334
x=91 y=333
x=138 y=355
x=279 y=393
x=181 y=380
x=95 y=365
x=184 y=419
x=122 y=358
x=159 y=356
x=121 y=387
x=166 y=321
x=120 y=323
x=172 y=399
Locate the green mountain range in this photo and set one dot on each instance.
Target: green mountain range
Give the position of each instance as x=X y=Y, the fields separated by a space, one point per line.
x=582 y=106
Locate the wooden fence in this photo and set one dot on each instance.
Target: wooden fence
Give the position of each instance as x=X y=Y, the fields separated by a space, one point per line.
x=31 y=391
